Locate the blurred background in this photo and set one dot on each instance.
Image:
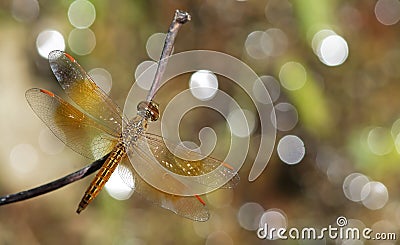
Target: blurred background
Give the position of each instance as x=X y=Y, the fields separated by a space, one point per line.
x=330 y=69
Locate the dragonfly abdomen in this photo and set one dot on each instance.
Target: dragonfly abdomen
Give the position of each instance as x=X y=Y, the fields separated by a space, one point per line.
x=102 y=176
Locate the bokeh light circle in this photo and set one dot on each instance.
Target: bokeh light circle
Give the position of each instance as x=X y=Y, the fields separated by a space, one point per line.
x=117 y=188
x=154 y=45
x=286 y=117
x=239 y=127
x=249 y=215
x=292 y=75
x=102 y=78
x=81 y=14
x=272 y=86
x=291 y=149
x=395 y=130
x=25 y=10
x=374 y=195
x=23 y=158
x=278 y=43
x=203 y=84
x=82 y=41
x=318 y=38
x=387 y=12
x=48 y=41
x=274 y=218
x=353 y=185
x=333 y=50
x=380 y=141
x=257 y=43
x=147 y=77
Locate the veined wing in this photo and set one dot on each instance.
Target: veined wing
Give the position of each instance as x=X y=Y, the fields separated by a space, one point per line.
x=187 y=167
x=189 y=207
x=83 y=91
x=77 y=130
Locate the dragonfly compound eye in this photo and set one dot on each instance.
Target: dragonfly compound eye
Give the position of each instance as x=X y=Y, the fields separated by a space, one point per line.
x=148 y=110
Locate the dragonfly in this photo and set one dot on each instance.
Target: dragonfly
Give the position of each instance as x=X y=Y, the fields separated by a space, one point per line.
x=95 y=129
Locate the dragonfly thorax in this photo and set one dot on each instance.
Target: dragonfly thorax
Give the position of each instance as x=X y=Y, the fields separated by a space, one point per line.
x=134 y=129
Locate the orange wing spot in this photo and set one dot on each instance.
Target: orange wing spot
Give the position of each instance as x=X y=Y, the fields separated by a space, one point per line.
x=200 y=200
x=227 y=166
x=70 y=57
x=47 y=92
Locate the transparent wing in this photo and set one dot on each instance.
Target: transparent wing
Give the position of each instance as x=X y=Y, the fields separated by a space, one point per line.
x=184 y=167
x=83 y=91
x=189 y=207
x=76 y=129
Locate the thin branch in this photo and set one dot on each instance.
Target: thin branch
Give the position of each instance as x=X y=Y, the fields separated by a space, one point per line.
x=180 y=18
x=54 y=185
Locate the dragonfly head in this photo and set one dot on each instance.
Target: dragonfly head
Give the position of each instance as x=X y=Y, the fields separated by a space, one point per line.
x=148 y=110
